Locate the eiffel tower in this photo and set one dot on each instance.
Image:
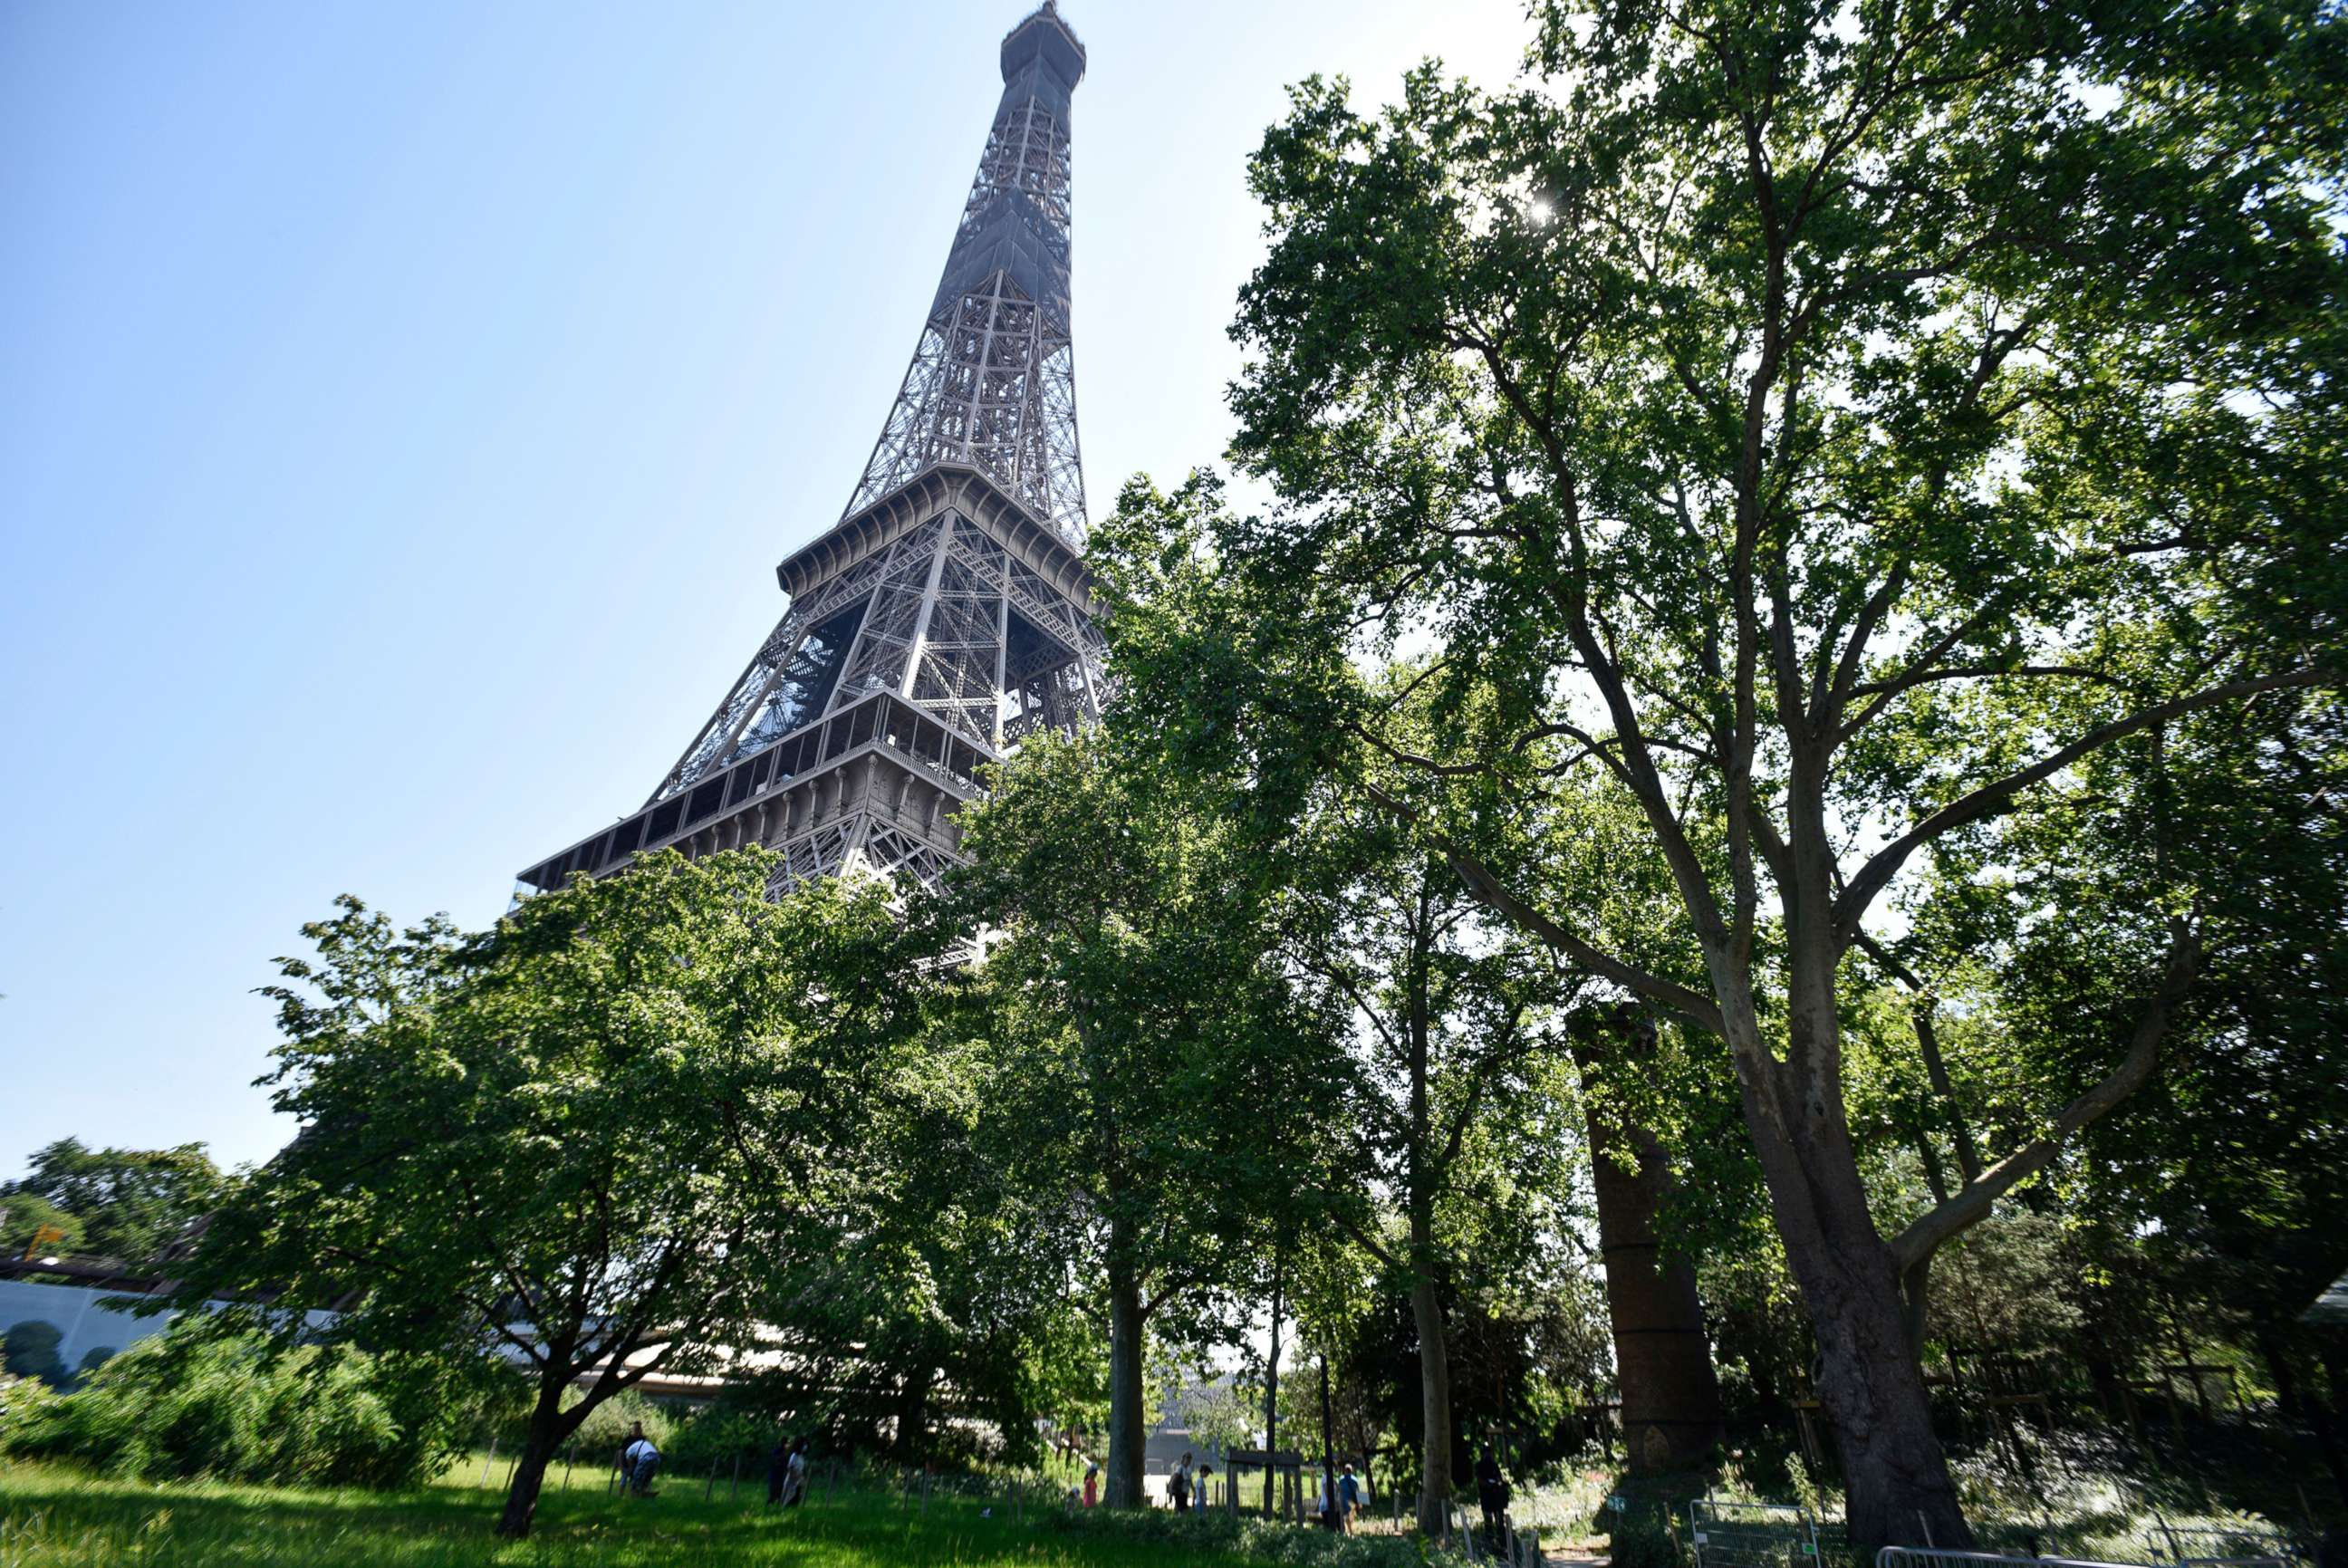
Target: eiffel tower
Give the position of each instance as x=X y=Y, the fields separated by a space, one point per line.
x=947 y=614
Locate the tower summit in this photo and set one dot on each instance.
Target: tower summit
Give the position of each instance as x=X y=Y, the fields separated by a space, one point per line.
x=947 y=613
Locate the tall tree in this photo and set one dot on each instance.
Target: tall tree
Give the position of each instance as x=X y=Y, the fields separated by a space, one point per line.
x=1821 y=429
x=1454 y=1049
x=1148 y=1066
x=1452 y=1004
x=587 y=1143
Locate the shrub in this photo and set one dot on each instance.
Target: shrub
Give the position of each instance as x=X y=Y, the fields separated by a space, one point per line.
x=1255 y=1539
x=24 y=1403
x=716 y=1435
x=606 y=1425
x=194 y=1400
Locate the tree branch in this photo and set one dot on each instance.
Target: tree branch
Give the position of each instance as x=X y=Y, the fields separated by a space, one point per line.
x=1489 y=890
x=1996 y=798
x=1973 y=1203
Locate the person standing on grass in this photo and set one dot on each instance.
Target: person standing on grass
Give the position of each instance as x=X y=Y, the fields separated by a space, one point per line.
x=1492 y=1491
x=1178 y=1485
x=1201 y=1493
x=778 y=1469
x=1349 y=1499
x=1091 y=1486
x=795 y=1482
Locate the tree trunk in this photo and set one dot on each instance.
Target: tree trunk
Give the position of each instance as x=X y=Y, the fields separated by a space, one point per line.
x=1870 y=1383
x=547 y=1429
x=2278 y=1365
x=1671 y=1398
x=1421 y=1179
x=1271 y=1390
x=1916 y=1303
x=1127 y=1435
x=1434 y=1397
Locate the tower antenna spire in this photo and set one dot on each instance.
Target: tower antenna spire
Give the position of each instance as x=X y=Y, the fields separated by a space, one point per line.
x=993 y=379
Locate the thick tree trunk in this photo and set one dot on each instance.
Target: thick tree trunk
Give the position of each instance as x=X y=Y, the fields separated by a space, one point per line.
x=1435 y=1398
x=547 y=1429
x=1126 y=1428
x=1916 y=1303
x=1663 y=1358
x=1869 y=1382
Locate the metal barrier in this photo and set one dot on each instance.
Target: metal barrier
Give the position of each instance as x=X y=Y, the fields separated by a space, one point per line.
x=1727 y=1535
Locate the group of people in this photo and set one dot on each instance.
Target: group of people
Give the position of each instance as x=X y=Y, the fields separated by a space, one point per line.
x=1189 y=1486
x=786 y=1472
x=1185 y=1485
x=640 y=1461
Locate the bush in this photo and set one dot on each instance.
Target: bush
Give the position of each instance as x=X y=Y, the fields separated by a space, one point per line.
x=716 y=1435
x=1256 y=1539
x=25 y=1402
x=196 y=1401
x=606 y=1425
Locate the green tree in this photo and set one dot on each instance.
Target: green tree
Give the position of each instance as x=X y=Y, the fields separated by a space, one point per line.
x=25 y=1217
x=1145 y=1066
x=1819 y=437
x=130 y=1202
x=957 y=1279
x=1441 y=992
x=586 y=1144
x=1451 y=1090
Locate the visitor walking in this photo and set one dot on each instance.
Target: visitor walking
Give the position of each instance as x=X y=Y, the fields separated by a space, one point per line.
x=1091 y=1486
x=1201 y=1494
x=1178 y=1485
x=1349 y=1499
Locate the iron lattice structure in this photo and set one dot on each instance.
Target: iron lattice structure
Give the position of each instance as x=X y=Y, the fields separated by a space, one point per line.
x=947 y=614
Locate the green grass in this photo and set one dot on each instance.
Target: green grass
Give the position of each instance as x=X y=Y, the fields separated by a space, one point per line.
x=54 y=1516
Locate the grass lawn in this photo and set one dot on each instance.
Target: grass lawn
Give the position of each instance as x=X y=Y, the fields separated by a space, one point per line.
x=57 y=1517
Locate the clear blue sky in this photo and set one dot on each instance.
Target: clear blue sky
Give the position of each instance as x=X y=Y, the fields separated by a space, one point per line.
x=403 y=407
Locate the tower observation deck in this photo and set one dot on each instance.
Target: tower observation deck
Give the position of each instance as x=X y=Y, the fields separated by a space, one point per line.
x=947 y=613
